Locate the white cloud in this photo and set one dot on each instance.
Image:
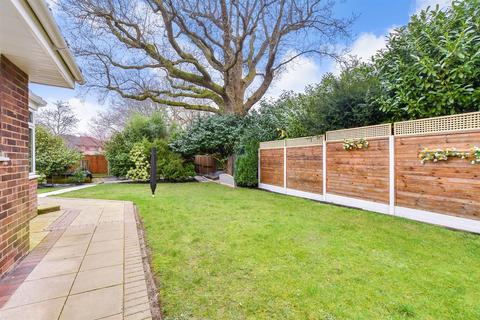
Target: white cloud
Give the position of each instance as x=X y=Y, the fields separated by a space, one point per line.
x=364 y=47
x=423 y=4
x=298 y=74
x=305 y=71
x=85 y=111
x=367 y=44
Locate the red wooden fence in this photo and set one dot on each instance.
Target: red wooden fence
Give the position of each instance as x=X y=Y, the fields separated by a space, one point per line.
x=96 y=164
x=205 y=164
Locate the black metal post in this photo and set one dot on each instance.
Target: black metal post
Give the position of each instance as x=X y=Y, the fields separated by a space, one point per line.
x=153 y=170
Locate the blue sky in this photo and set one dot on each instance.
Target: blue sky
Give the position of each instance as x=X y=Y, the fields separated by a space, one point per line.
x=375 y=19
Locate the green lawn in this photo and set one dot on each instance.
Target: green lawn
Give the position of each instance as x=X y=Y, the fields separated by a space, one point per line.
x=221 y=253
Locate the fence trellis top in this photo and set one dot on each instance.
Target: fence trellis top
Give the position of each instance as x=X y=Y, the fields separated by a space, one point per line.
x=454 y=123
x=294 y=142
x=304 y=142
x=377 y=131
x=459 y=122
x=272 y=144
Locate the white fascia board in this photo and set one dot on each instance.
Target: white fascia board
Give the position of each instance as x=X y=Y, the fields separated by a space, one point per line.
x=43 y=40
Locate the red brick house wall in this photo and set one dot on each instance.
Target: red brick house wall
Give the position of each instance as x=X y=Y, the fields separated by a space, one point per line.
x=17 y=196
x=32 y=198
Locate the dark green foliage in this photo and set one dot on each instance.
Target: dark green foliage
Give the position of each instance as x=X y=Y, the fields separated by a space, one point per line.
x=431 y=67
x=149 y=132
x=275 y=120
x=117 y=149
x=79 y=176
x=170 y=165
x=340 y=102
x=53 y=157
x=246 y=165
x=117 y=152
x=152 y=127
x=216 y=135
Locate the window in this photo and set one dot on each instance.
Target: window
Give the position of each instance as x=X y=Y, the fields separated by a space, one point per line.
x=31 y=141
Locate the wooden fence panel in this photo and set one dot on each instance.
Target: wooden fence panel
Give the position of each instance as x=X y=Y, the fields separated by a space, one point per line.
x=205 y=164
x=362 y=174
x=305 y=168
x=97 y=163
x=451 y=187
x=271 y=167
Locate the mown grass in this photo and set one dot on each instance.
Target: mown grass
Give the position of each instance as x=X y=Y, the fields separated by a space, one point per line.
x=223 y=253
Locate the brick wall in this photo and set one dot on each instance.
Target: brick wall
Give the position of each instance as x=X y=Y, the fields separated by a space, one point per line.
x=33 y=200
x=15 y=201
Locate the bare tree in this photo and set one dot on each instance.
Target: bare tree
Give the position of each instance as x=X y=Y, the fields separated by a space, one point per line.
x=115 y=118
x=58 y=118
x=218 y=56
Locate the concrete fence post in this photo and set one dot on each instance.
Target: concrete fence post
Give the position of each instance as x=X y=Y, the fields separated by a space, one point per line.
x=258 y=165
x=324 y=168
x=285 y=165
x=391 y=152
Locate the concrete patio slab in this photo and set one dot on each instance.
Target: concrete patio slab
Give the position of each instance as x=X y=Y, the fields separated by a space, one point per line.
x=45 y=310
x=94 y=304
x=88 y=265
x=98 y=278
x=41 y=290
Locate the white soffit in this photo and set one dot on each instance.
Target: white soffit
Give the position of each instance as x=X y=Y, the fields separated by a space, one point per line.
x=23 y=41
x=34 y=101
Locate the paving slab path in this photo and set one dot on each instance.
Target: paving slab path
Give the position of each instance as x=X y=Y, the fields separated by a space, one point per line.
x=88 y=266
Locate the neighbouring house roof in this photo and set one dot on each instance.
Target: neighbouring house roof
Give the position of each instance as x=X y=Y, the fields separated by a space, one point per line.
x=35 y=101
x=30 y=38
x=81 y=142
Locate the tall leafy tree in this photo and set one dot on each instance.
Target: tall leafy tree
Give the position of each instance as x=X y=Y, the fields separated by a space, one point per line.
x=219 y=56
x=431 y=66
x=344 y=101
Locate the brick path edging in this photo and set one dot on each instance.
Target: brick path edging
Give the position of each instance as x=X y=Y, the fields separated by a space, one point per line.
x=152 y=285
x=138 y=274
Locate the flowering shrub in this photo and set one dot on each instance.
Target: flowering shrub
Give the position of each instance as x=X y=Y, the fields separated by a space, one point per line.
x=355 y=144
x=443 y=155
x=476 y=155
x=140 y=171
